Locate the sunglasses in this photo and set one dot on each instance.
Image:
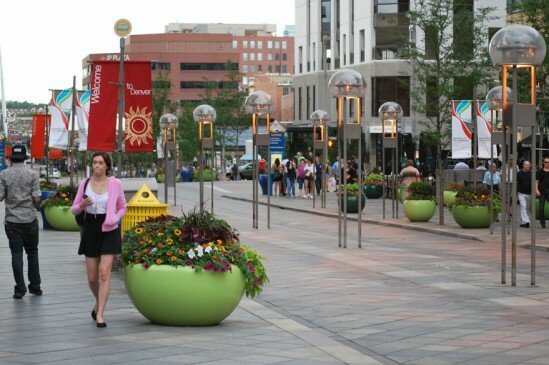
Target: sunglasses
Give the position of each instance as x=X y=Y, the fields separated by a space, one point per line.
x=545 y=161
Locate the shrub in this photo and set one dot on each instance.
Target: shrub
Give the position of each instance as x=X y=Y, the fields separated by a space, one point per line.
x=62 y=198
x=420 y=190
x=474 y=197
x=374 y=179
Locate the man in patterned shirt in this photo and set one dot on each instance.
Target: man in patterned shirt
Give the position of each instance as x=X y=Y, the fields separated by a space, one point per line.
x=20 y=188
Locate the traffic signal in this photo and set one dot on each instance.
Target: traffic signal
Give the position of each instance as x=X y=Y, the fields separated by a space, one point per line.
x=331 y=142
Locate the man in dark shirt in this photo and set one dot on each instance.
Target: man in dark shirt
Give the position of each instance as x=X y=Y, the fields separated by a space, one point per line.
x=542 y=189
x=524 y=189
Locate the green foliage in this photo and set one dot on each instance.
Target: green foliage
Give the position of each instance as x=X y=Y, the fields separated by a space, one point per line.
x=352 y=189
x=374 y=179
x=451 y=53
x=228 y=102
x=420 y=190
x=536 y=14
x=479 y=196
x=199 y=240
x=63 y=197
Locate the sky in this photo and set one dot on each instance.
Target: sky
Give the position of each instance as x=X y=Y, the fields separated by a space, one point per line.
x=42 y=43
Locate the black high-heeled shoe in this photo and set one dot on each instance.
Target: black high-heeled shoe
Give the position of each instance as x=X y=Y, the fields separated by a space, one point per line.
x=94 y=315
x=101 y=324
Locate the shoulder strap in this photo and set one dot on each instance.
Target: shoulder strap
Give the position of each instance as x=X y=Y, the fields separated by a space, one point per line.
x=86 y=185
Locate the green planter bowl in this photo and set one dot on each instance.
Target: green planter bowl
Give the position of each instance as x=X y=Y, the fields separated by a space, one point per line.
x=61 y=218
x=471 y=217
x=449 y=197
x=419 y=210
x=208 y=175
x=352 y=203
x=545 y=209
x=373 y=191
x=179 y=296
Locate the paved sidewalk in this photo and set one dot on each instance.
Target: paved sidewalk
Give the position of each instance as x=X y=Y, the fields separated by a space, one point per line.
x=406 y=297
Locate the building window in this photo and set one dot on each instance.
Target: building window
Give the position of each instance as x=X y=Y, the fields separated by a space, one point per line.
x=395 y=89
x=314 y=97
x=284 y=57
x=205 y=66
x=252 y=56
x=252 y=44
x=260 y=56
x=166 y=66
x=244 y=44
x=391 y=6
x=277 y=57
x=300 y=59
x=299 y=103
x=277 y=44
x=362 y=45
x=284 y=45
x=269 y=56
x=284 y=69
x=269 y=44
x=259 y=44
x=277 y=68
x=259 y=68
x=252 y=69
x=245 y=80
x=244 y=56
x=269 y=68
x=235 y=44
x=244 y=68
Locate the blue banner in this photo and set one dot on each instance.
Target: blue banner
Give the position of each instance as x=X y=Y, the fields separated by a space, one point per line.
x=277 y=141
x=2 y=155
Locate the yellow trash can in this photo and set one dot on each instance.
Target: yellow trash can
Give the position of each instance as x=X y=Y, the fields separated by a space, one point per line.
x=142 y=205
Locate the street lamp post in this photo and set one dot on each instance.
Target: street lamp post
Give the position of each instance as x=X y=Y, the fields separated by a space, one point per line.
x=390 y=114
x=168 y=124
x=320 y=119
x=512 y=47
x=494 y=99
x=348 y=87
x=260 y=104
x=205 y=116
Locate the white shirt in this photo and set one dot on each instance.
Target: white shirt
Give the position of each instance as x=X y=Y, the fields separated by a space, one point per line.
x=99 y=202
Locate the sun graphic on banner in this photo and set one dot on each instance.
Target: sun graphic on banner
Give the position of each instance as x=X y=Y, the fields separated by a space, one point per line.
x=138 y=126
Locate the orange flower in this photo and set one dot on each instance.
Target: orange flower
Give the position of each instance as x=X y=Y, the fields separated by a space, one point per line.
x=240 y=250
x=160 y=234
x=169 y=241
x=137 y=261
x=169 y=253
x=173 y=258
x=139 y=230
x=219 y=242
x=177 y=232
x=222 y=249
x=151 y=242
x=159 y=261
x=159 y=245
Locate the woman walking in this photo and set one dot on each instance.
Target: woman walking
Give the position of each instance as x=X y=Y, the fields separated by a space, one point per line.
x=102 y=198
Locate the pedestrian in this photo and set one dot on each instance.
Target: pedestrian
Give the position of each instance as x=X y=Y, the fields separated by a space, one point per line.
x=524 y=189
x=277 y=176
x=318 y=175
x=291 y=175
x=492 y=177
x=20 y=188
x=542 y=189
x=234 y=172
x=105 y=205
x=408 y=175
x=309 y=179
x=301 y=176
x=335 y=169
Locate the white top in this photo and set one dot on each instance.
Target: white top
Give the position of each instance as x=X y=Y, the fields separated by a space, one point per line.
x=99 y=202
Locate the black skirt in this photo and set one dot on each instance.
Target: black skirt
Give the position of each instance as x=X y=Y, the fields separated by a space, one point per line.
x=94 y=242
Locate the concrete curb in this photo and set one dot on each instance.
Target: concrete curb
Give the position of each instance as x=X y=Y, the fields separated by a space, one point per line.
x=370 y=221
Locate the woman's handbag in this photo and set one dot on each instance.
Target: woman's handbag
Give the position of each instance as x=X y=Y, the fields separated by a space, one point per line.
x=80 y=218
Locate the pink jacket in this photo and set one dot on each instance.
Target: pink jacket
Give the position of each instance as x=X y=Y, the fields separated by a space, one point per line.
x=116 y=204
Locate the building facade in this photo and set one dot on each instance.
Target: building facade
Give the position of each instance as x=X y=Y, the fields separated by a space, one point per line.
x=189 y=55
x=364 y=36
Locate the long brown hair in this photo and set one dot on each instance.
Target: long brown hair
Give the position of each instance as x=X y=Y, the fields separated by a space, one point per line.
x=106 y=158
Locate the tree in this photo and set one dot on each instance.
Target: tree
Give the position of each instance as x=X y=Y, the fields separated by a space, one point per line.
x=536 y=14
x=227 y=98
x=454 y=44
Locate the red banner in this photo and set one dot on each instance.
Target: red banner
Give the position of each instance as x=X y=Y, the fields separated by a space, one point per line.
x=38 y=139
x=138 y=106
x=56 y=154
x=103 y=105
